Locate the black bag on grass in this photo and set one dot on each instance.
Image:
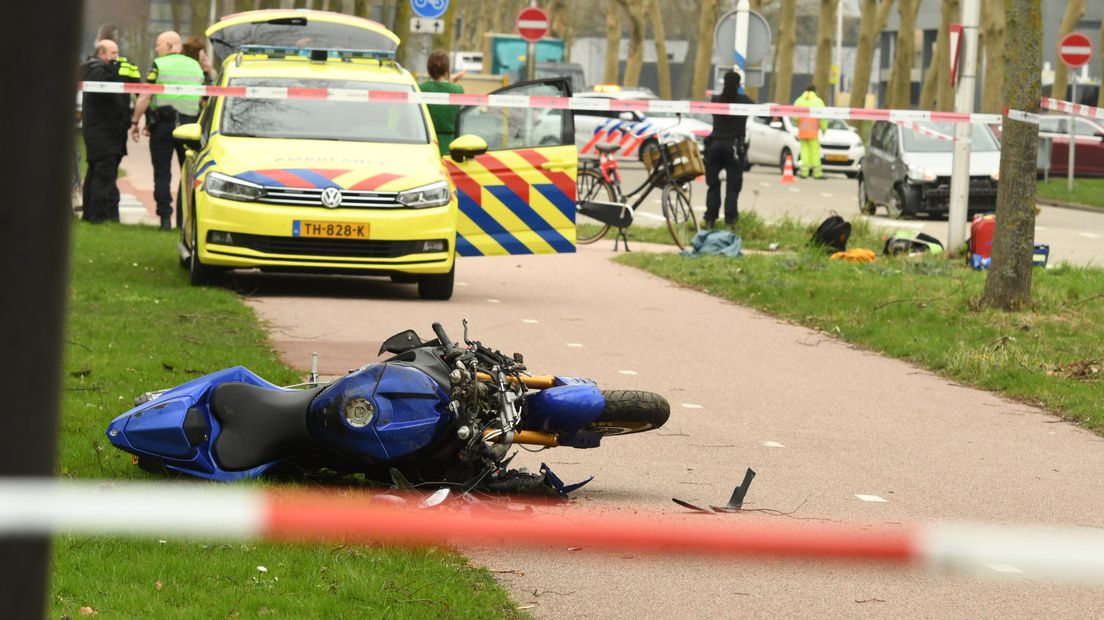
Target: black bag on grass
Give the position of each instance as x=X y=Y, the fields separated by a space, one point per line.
x=833 y=233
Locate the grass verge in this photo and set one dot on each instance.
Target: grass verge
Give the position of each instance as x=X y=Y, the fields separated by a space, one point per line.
x=925 y=311
x=789 y=234
x=134 y=325
x=1088 y=192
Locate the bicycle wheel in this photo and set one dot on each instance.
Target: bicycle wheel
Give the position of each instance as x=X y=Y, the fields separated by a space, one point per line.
x=590 y=185
x=679 y=215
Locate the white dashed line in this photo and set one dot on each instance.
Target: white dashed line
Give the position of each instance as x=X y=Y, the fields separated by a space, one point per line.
x=628 y=372
x=773 y=444
x=530 y=321
x=795 y=190
x=1089 y=235
x=870 y=498
x=765 y=184
x=826 y=194
x=1004 y=568
x=575 y=345
x=493 y=301
x=692 y=406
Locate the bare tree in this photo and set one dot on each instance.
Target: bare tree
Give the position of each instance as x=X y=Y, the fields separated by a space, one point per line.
x=445 y=40
x=177 y=17
x=899 y=93
x=873 y=20
x=634 y=12
x=402 y=30
x=200 y=17
x=613 y=43
x=481 y=23
x=936 y=92
x=826 y=30
x=703 y=62
x=1075 y=9
x=992 y=31
x=244 y=5
x=1008 y=285
x=787 y=38
x=663 y=68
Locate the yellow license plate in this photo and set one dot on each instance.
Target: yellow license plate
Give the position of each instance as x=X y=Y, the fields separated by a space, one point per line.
x=328 y=230
x=842 y=158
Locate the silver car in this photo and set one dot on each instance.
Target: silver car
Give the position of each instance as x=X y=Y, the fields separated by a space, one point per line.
x=907 y=169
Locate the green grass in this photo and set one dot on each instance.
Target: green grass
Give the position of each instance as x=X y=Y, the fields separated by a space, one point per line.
x=790 y=234
x=1088 y=192
x=925 y=311
x=136 y=325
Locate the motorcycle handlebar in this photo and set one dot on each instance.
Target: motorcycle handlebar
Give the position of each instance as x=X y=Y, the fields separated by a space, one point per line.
x=445 y=341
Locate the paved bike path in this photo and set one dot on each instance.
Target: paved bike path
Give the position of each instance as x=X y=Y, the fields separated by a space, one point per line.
x=821 y=422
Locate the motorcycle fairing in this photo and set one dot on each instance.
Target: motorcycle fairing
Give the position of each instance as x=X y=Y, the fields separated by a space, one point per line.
x=402 y=424
x=566 y=409
x=177 y=430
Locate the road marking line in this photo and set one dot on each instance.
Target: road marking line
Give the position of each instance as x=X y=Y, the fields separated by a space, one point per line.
x=628 y=372
x=765 y=184
x=530 y=321
x=1090 y=235
x=493 y=301
x=870 y=498
x=1004 y=568
x=575 y=345
x=773 y=444
x=826 y=194
x=1040 y=228
x=795 y=190
x=692 y=406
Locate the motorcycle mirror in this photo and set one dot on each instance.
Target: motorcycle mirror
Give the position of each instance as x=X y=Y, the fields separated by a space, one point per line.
x=466 y=341
x=401 y=342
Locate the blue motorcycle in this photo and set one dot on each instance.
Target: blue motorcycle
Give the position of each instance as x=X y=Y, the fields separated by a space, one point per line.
x=433 y=414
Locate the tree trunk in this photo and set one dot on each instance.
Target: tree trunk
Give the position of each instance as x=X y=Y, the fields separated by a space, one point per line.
x=1008 y=285
x=899 y=93
x=560 y=18
x=936 y=94
x=787 y=37
x=200 y=18
x=659 y=37
x=874 y=16
x=483 y=19
x=992 y=27
x=826 y=31
x=1100 y=96
x=703 y=62
x=634 y=11
x=244 y=5
x=446 y=40
x=1075 y=9
x=402 y=30
x=177 y=19
x=613 y=43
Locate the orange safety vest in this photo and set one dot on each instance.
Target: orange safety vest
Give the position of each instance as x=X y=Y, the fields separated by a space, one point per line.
x=808 y=128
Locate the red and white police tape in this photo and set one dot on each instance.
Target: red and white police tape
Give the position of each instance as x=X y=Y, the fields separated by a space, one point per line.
x=1076 y=109
x=45 y=507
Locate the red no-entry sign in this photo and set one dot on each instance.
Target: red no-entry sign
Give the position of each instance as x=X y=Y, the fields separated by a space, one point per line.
x=532 y=24
x=1075 y=49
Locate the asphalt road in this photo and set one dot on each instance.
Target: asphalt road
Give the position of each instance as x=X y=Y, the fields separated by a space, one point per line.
x=1074 y=236
x=822 y=423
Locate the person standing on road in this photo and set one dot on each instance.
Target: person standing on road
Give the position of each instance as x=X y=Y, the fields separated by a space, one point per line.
x=808 y=133
x=104 y=127
x=444 y=116
x=166 y=112
x=725 y=149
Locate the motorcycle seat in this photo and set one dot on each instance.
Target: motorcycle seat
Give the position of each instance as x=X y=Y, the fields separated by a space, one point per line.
x=259 y=425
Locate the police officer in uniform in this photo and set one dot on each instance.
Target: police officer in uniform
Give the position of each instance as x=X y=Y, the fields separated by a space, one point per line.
x=165 y=113
x=724 y=150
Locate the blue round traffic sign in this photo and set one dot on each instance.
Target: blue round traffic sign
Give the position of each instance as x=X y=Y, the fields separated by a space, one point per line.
x=429 y=9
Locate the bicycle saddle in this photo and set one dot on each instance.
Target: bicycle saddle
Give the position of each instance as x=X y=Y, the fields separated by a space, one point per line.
x=607 y=148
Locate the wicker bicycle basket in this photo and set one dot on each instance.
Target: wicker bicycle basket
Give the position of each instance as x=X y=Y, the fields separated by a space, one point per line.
x=683 y=157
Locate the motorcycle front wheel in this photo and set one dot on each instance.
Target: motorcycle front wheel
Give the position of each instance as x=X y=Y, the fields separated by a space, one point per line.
x=630 y=411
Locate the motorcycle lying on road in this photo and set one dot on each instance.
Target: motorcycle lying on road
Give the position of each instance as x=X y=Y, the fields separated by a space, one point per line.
x=433 y=414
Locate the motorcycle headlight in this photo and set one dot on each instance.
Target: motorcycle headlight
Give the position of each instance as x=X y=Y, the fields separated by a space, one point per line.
x=231 y=188
x=920 y=175
x=432 y=195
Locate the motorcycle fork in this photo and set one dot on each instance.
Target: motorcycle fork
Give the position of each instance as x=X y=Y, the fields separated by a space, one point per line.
x=531 y=438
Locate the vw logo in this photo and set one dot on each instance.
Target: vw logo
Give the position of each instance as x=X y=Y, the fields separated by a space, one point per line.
x=331 y=197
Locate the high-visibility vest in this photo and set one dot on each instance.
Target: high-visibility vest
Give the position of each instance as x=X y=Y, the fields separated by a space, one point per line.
x=807 y=128
x=178 y=69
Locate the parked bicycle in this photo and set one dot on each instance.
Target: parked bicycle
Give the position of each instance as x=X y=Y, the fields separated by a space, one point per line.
x=602 y=204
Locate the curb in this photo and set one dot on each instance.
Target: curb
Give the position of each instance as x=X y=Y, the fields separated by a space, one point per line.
x=1070 y=205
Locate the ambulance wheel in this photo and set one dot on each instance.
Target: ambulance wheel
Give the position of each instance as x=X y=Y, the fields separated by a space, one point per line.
x=199 y=274
x=437 y=286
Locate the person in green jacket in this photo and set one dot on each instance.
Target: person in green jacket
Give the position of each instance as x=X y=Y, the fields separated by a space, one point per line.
x=808 y=133
x=444 y=116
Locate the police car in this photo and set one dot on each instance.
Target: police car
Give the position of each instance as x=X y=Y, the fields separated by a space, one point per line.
x=357 y=185
x=631 y=129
